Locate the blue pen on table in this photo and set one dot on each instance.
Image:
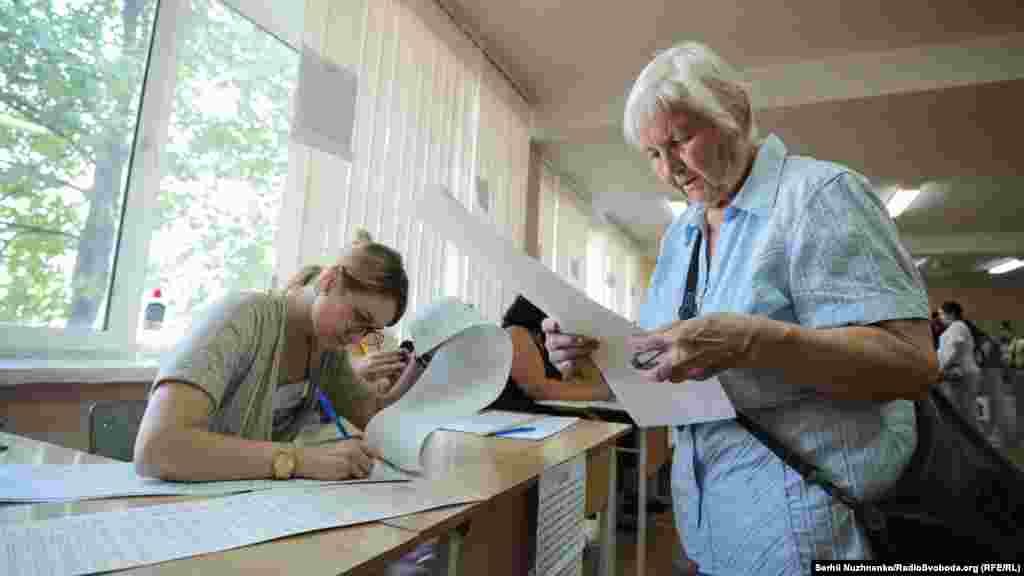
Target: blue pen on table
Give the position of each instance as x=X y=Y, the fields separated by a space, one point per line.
x=326 y=405
x=515 y=430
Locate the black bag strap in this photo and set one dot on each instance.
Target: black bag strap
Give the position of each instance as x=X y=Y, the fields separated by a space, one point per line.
x=808 y=471
x=688 y=307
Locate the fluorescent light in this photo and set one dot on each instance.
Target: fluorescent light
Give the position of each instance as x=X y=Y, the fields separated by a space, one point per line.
x=1006 y=266
x=900 y=201
x=677 y=207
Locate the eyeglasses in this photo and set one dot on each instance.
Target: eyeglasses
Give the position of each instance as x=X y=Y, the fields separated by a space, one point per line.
x=373 y=340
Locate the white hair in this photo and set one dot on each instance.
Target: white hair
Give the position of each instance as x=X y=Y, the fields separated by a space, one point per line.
x=693 y=77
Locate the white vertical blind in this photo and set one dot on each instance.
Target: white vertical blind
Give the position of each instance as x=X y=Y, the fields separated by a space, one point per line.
x=573 y=225
x=431 y=115
x=596 y=258
x=547 y=217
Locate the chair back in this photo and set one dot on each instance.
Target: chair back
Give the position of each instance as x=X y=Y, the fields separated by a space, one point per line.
x=113 y=426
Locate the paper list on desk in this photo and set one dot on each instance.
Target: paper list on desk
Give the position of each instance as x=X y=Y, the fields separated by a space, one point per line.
x=106 y=541
x=543 y=428
x=62 y=483
x=491 y=421
x=648 y=403
x=561 y=504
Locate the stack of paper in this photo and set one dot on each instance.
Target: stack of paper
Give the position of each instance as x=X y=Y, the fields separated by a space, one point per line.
x=541 y=428
x=491 y=422
x=106 y=541
x=56 y=483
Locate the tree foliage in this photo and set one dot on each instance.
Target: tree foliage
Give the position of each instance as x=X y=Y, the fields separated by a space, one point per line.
x=71 y=83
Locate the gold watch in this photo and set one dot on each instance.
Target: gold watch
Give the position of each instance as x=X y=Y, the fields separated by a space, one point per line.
x=284 y=464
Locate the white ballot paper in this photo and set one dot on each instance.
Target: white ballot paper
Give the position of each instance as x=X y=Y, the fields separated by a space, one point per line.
x=470 y=366
x=60 y=483
x=648 y=404
x=104 y=541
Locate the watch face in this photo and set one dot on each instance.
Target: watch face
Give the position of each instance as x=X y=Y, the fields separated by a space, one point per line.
x=284 y=465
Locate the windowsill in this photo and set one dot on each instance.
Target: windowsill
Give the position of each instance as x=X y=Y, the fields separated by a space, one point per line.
x=20 y=371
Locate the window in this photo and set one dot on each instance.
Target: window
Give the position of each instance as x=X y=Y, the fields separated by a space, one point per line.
x=70 y=92
x=225 y=165
x=91 y=220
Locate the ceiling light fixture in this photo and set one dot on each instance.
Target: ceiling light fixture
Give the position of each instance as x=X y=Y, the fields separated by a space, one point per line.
x=677 y=207
x=1006 y=266
x=900 y=201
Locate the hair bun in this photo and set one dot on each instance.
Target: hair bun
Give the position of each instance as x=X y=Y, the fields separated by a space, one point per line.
x=363 y=236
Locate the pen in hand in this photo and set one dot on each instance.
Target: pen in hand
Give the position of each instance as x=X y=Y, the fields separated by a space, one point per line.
x=325 y=403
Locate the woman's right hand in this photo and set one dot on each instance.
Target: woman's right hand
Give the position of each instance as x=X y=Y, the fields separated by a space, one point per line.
x=566 y=350
x=339 y=460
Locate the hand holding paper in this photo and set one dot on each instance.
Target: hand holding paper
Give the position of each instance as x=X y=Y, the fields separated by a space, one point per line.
x=648 y=403
x=700 y=348
x=565 y=350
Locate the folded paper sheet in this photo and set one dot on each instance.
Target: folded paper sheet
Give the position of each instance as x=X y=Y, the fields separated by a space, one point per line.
x=105 y=541
x=55 y=483
x=468 y=371
x=649 y=404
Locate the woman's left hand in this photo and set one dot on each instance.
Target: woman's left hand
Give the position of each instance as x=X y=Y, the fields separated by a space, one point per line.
x=390 y=390
x=699 y=348
x=377 y=365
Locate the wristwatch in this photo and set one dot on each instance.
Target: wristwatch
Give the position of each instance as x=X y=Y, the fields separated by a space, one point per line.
x=284 y=464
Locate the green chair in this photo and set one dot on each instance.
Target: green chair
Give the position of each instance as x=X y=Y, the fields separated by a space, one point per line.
x=1016 y=455
x=113 y=426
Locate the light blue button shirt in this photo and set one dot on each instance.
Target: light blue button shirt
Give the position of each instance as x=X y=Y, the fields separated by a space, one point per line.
x=807 y=242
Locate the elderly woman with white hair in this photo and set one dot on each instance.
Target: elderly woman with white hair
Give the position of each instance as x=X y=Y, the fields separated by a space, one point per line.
x=803 y=304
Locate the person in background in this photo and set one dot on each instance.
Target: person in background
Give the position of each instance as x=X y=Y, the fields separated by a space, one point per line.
x=958 y=367
x=805 y=306
x=533 y=377
x=937 y=327
x=235 y=391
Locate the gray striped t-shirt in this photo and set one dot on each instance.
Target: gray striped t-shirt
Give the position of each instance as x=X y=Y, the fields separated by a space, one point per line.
x=233 y=352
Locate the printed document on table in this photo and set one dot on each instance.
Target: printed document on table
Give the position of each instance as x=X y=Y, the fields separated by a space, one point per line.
x=543 y=428
x=466 y=373
x=105 y=541
x=63 y=483
x=491 y=421
x=649 y=404
x=561 y=505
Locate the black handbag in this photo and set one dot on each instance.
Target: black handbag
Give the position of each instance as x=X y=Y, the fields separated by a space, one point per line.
x=958 y=500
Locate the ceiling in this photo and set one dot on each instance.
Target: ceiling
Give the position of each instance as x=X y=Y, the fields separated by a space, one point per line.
x=916 y=93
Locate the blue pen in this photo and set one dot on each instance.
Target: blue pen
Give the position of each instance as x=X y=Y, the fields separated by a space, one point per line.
x=326 y=405
x=515 y=430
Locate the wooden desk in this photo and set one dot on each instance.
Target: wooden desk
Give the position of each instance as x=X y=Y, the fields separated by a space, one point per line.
x=362 y=549
x=495 y=533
